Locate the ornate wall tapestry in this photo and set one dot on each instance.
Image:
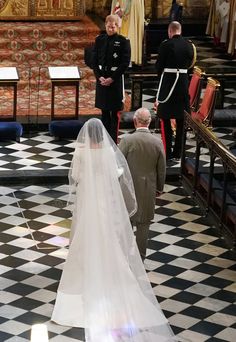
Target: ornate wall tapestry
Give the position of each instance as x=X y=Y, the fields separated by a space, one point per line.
x=12 y=8
x=38 y=9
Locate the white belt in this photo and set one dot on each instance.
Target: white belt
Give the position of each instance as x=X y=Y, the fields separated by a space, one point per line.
x=172 y=70
x=105 y=68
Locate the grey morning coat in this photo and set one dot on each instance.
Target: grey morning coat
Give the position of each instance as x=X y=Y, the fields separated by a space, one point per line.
x=145 y=155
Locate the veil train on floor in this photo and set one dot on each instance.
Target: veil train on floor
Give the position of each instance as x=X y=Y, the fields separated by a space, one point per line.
x=104 y=287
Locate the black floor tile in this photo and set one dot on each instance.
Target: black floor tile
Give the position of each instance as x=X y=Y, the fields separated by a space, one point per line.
x=207 y=328
x=178 y=283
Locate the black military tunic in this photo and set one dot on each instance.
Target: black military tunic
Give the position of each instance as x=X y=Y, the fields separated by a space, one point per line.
x=175 y=54
x=178 y=53
x=111 y=59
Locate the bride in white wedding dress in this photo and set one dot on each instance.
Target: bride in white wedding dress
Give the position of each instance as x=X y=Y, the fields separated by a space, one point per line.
x=104 y=287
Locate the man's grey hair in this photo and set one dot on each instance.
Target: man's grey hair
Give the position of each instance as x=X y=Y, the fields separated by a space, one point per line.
x=143 y=116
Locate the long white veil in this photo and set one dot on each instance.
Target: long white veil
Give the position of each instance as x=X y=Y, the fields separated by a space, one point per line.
x=104 y=287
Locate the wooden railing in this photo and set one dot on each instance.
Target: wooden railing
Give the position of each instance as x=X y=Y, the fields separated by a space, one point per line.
x=212 y=185
x=137 y=85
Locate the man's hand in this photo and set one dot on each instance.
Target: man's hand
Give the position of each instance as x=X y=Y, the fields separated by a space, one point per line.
x=155 y=105
x=101 y=79
x=106 y=81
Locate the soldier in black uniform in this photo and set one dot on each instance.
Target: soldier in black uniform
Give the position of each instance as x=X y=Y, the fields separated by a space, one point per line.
x=111 y=59
x=176 y=56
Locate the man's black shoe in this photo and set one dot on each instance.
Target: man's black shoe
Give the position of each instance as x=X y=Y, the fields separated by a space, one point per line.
x=170 y=162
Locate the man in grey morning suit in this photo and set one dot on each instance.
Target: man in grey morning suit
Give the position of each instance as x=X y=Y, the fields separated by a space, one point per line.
x=145 y=155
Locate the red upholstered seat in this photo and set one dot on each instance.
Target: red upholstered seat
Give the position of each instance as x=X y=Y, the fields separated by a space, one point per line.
x=206 y=110
x=195 y=87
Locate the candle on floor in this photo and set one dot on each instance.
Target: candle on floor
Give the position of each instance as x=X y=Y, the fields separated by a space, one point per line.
x=39 y=333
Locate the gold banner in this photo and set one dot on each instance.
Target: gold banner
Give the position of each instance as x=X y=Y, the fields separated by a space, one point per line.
x=52 y=9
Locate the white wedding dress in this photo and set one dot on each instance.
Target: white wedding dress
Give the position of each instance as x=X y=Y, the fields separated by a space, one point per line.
x=104 y=287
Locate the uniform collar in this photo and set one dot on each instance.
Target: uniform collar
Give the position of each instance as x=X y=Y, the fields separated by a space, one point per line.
x=113 y=36
x=177 y=36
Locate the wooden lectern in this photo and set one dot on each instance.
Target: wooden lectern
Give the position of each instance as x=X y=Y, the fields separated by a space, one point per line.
x=9 y=78
x=9 y=128
x=64 y=76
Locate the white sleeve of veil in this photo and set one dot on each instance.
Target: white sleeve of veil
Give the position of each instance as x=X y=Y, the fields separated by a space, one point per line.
x=126 y=182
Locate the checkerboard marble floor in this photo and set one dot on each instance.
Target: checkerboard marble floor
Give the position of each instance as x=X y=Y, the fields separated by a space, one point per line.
x=42 y=152
x=191 y=270
x=189 y=265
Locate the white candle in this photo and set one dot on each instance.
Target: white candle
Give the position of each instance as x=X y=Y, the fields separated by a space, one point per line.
x=39 y=333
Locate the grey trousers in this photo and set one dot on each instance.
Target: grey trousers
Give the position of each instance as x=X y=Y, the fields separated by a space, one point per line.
x=142 y=237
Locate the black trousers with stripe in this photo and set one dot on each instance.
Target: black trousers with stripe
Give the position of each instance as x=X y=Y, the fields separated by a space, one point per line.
x=173 y=146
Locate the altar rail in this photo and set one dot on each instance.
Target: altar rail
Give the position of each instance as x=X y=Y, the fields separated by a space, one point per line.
x=212 y=183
